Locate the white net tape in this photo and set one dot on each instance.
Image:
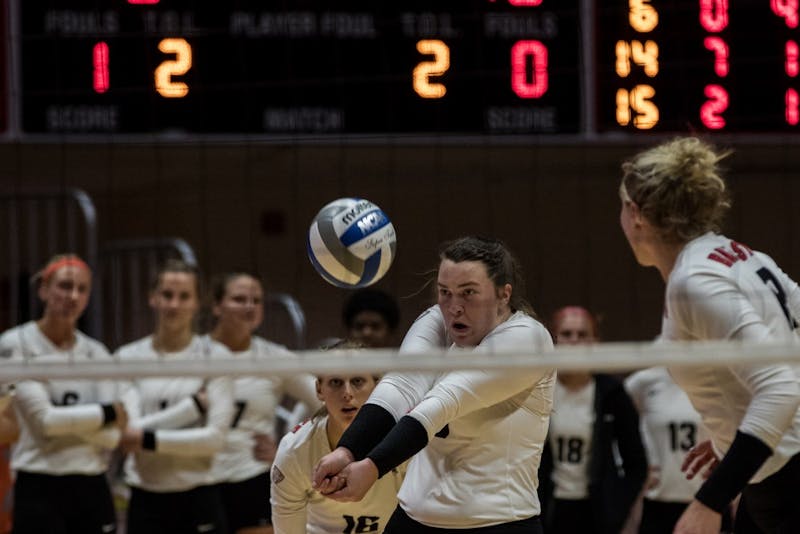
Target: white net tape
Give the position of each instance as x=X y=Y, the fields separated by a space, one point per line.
x=609 y=357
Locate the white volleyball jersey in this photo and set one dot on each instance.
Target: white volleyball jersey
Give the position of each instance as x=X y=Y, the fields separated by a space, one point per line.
x=298 y=509
x=670 y=427
x=720 y=289
x=60 y=421
x=570 y=436
x=185 y=448
x=255 y=399
x=484 y=471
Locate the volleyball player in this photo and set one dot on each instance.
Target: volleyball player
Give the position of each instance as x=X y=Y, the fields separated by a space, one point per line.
x=594 y=464
x=297 y=508
x=673 y=200
x=169 y=465
x=476 y=437
x=66 y=427
x=670 y=428
x=238 y=311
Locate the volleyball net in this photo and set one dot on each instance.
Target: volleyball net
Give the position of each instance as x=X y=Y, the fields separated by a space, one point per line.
x=598 y=357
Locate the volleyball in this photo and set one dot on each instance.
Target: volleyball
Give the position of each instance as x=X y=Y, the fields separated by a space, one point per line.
x=351 y=243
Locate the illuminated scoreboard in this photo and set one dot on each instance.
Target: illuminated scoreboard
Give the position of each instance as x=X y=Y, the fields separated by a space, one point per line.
x=322 y=67
x=700 y=65
x=415 y=67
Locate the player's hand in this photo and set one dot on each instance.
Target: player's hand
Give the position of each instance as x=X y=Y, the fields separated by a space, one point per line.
x=264 y=448
x=358 y=478
x=653 y=477
x=324 y=477
x=131 y=440
x=700 y=457
x=698 y=519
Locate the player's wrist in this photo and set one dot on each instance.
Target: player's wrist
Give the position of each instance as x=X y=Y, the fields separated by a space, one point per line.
x=347 y=453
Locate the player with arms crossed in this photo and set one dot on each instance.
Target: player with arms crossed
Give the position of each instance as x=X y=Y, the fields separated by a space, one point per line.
x=673 y=200
x=67 y=428
x=476 y=437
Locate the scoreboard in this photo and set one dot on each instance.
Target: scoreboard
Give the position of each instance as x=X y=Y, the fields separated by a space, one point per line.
x=414 y=67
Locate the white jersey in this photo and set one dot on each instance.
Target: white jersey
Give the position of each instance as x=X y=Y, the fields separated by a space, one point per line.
x=484 y=472
x=60 y=421
x=720 y=289
x=255 y=400
x=571 y=429
x=299 y=509
x=670 y=427
x=185 y=446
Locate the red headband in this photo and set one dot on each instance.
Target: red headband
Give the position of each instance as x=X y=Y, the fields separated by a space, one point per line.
x=69 y=261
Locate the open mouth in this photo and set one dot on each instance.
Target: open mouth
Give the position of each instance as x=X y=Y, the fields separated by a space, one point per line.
x=349 y=409
x=459 y=328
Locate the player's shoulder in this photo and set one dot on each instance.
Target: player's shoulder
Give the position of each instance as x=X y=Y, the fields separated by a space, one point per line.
x=264 y=348
x=93 y=347
x=645 y=378
x=141 y=349
x=302 y=441
x=522 y=330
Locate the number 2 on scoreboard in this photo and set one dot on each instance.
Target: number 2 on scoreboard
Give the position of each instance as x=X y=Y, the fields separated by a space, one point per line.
x=165 y=85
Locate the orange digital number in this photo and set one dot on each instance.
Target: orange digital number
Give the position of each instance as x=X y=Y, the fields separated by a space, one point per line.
x=639 y=100
x=165 y=85
x=423 y=71
x=643 y=54
x=642 y=16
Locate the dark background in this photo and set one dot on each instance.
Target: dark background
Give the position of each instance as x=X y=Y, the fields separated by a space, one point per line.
x=249 y=205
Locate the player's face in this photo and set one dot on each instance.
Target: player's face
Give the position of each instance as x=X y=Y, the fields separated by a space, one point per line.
x=66 y=293
x=344 y=395
x=575 y=328
x=242 y=306
x=175 y=300
x=471 y=304
x=370 y=328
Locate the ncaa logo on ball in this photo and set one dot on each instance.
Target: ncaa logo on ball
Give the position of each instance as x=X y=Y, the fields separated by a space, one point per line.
x=351 y=243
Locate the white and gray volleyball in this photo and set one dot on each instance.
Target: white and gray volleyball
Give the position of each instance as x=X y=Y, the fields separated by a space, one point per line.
x=351 y=243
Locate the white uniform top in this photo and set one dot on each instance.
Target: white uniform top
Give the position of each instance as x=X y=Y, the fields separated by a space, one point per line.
x=184 y=447
x=720 y=289
x=485 y=471
x=60 y=421
x=571 y=429
x=255 y=399
x=670 y=427
x=298 y=509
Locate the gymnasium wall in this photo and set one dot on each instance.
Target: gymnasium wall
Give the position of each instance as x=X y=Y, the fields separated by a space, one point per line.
x=248 y=206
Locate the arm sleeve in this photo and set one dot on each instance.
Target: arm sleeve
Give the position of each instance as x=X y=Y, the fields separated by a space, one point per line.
x=463 y=392
x=181 y=414
x=398 y=393
x=33 y=403
x=289 y=494
x=208 y=439
x=107 y=437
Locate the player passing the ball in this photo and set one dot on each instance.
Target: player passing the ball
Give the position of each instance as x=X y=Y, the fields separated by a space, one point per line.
x=475 y=438
x=673 y=200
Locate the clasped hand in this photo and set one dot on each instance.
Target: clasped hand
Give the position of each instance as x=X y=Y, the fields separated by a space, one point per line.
x=338 y=476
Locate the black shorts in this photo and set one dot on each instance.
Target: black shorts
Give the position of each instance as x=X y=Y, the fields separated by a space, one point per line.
x=660 y=517
x=773 y=505
x=62 y=504
x=246 y=503
x=181 y=512
x=400 y=523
